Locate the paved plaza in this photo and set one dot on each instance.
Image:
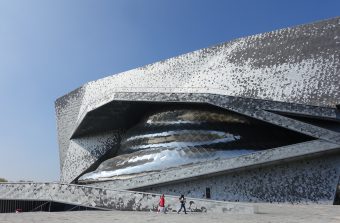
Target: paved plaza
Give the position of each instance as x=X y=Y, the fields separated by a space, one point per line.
x=266 y=213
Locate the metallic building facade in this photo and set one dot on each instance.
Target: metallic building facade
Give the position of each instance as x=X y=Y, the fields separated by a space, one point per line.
x=254 y=119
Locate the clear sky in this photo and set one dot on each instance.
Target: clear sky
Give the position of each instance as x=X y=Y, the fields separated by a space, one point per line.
x=48 y=48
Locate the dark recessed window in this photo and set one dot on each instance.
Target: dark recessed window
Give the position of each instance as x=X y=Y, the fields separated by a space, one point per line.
x=207 y=193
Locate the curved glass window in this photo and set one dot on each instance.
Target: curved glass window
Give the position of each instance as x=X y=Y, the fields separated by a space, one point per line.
x=175 y=137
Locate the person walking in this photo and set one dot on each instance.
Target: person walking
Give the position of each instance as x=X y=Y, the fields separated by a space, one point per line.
x=182 y=201
x=161 y=204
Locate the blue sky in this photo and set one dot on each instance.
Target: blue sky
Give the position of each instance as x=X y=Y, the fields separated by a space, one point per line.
x=48 y=48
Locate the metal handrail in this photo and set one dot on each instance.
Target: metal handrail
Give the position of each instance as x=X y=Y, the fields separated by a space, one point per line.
x=40 y=206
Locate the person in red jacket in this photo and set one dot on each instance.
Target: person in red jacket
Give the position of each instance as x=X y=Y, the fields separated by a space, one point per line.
x=161 y=204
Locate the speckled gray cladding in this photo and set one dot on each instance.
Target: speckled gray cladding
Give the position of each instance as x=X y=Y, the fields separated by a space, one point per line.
x=111 y=199
x=294 y=70
x=67 y=109
x=85 y=151
x=77 y=155
x=295 y=65
x=304 y=181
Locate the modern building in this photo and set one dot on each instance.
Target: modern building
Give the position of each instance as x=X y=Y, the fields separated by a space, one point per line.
x=256 y=119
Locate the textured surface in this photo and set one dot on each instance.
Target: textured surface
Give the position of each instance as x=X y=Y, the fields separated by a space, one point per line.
x=297 y=65
x=112 y=199
x=87 y=150
x=67 y=109
x=280 y=78
x=312 y=181
x=294 y=65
